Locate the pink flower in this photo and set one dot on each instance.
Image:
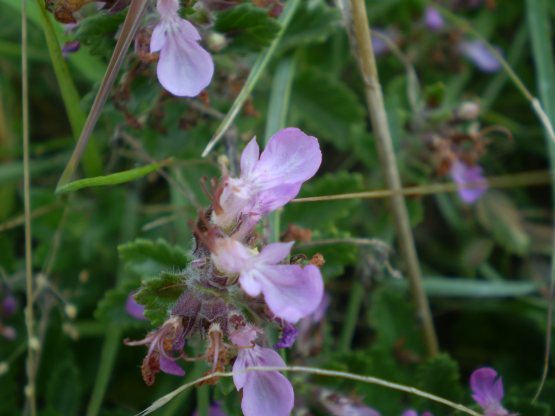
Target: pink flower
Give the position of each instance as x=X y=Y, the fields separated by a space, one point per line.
x=433 y=19
x=134 y=309
x=264 y=393
x=465 y=174
x=290 y=291
x=268 y=180
x=487 y=391
x=184 y=68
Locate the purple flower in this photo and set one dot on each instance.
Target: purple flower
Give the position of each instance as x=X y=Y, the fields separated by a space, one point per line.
x=487 y=391
x=264 y=393
x=134 y=309
x=290 y=291
x=268 y=180
x=9 y=305
x=70 y=47
x=288 y=336
x=479 y=54
x=465 y=174
x=433 y=19
x=165 y=347
x=184 y=68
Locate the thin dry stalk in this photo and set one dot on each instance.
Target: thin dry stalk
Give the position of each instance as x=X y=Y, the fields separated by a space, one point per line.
x=376 y=109
x=29 y=322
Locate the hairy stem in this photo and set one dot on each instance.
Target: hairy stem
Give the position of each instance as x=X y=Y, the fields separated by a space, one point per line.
x=29 y=322
x=376 y=109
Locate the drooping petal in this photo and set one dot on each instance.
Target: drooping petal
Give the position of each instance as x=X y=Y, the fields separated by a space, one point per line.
x=290 y=291
x=169 y=366
x=158 y=38
x=184 y=68
x=134 y=309
x=478 y=53
x=264 y=393
x=249 y=157
x=288 y=336
x=487 y=387
x=230 y=256
x=290 y=157
x=275 y=252
x=273 y=198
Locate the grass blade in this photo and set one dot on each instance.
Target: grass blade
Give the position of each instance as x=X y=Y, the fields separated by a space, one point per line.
x=128 y=30
x=70 y=96
x=112 y=179
x=254 y=76
x=538 y=22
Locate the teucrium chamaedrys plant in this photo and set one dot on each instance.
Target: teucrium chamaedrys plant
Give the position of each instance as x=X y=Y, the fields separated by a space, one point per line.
x=233 y=286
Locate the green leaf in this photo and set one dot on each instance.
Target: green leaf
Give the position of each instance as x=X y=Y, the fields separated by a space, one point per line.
x=498 y=214
x=440 y=376
x=112 y=179
x=148 y=258
x=314 y=22
x=64 y=388
x=99 y=32
x=248 y=26
x=158 y=295
x=327 y=106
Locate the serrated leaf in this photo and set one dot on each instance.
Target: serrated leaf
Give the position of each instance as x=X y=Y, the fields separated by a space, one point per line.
x=149 y=258
x=440 y=376
x=249 y=27
x=99 y=31
x=327 y=106
x=158 y=295
x=498 y=214
x=314 y=22
x=64 y=389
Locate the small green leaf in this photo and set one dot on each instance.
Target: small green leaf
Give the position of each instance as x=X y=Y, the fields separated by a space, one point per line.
x=147 y=258
x=498 y=214
x=248 y=26
x=327 y=106
x=440 y=376
x=314 y=22
x=99 y=32
x=159 y=295
x=112 y=179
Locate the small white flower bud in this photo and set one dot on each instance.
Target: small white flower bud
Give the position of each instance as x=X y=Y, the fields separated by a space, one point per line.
x=34 y=343
x=468 y=111
x=216 y=41
x=4 y=368
x=71 y=310
x=42 y=281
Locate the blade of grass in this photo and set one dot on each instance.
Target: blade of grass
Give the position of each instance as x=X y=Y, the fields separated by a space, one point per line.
x=362 y=43
x=112 y=179
x=257 y=70
x=127 y=34
x=112 y=340
x=319 y=372
x=32 y=343
x=280 y=97
x=72 y=102
x=537 y=12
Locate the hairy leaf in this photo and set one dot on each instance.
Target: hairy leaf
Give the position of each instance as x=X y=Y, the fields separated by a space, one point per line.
x=158 y=295
x=149 y=258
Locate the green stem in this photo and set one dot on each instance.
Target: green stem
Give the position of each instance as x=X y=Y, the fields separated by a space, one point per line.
x=203 y=400
x=351 y=318
x=388 y=161
x=538 y=22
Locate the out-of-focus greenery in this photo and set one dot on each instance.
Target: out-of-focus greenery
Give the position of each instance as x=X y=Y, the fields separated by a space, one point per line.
x=486 y=266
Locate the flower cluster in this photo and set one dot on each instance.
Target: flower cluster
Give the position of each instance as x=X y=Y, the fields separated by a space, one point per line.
x=233 y=282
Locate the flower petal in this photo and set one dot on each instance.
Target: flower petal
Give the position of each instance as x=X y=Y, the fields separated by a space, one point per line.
x=184 y=68
x=290 y=291
x=271 y=199
x=477 y=52
x=170 y=367
x=275 y=252
x=249 y=157
x=158 y=37
x=487 y=387
x=134 y=309
x=290 y=157
x=464 y=174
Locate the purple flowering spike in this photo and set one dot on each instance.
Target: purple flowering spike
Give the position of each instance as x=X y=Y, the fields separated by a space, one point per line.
x=463 y=174
x=134 y=309
x=487 y=391
x=290 y=291
x=433 y=19
x=270 y=181
x=478 y=53
x=264 y=393
x=288 y=336
x=184 y=68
